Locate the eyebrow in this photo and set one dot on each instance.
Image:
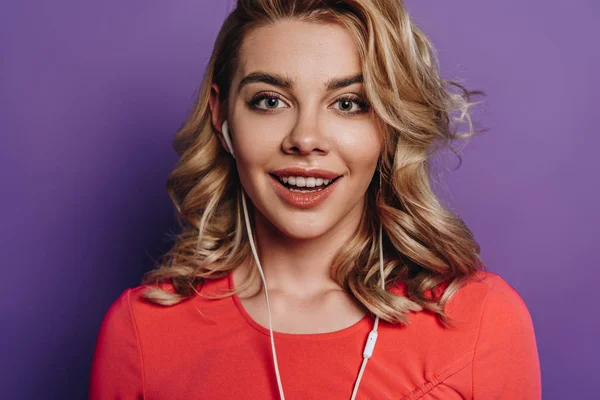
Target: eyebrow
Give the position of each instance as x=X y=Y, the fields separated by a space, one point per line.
x=288 y=83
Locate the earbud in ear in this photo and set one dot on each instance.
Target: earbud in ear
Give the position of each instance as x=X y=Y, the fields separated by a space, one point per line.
x=227 y=138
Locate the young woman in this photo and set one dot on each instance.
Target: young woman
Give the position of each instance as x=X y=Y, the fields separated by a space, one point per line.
x=315 y=261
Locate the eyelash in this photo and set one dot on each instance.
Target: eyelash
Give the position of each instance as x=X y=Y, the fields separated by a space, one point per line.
x=253 y=103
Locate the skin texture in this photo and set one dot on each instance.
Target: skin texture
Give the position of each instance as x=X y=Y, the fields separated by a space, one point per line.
x=307 y=126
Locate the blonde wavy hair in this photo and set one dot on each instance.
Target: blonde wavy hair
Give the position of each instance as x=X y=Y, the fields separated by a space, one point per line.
x=427 y=248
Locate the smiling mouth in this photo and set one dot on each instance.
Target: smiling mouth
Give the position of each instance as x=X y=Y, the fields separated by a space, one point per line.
x=300 y=184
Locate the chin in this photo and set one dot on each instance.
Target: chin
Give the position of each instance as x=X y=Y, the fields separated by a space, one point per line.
x=302 y=226
x=302 y=232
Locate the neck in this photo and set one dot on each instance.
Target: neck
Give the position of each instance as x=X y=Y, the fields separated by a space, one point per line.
x=302 y=266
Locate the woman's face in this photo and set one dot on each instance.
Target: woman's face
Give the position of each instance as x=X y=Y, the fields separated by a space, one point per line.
x=298 y=118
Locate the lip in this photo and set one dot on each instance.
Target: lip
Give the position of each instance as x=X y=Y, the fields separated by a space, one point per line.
x=296 y=171
x=303 y=200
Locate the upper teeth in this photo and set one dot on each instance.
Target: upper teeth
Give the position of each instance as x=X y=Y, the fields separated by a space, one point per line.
x=302 y=181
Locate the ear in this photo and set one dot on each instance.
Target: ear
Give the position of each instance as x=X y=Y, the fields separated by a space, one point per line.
x=215 y=111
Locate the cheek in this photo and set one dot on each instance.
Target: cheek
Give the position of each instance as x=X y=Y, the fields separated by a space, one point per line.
x=255 y=148
x=361 y=149
x=255 y=142
x=256 y=138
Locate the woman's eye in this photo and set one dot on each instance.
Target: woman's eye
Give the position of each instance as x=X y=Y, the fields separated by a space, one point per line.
x=267 y=103
x=352 y=105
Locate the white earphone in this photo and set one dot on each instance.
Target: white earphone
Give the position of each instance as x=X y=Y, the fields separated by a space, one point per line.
x=225 y=130
x=371 y=339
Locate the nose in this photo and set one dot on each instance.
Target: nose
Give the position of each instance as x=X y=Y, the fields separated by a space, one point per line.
x=306 y=137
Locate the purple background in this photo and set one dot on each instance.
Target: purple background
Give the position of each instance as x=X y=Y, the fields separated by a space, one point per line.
x=91 y=94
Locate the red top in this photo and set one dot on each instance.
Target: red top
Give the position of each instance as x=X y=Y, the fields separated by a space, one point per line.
x=212 y=349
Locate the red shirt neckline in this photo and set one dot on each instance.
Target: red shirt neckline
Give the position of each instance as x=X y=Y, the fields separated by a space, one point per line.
x=360 y=326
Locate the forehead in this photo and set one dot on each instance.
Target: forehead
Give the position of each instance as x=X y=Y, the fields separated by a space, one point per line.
x=307 y=52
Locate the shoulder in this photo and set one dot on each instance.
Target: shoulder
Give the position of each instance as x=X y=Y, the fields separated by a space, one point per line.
x=501 y=298
x=485 y=297
x=132 y=302
x=495 y=310
x=131 y=299
x=120 y=309
x=505 y=355
x=488 y=320
x=119 y=319
x=504 y=307
x=488 y=291
x=487 y=305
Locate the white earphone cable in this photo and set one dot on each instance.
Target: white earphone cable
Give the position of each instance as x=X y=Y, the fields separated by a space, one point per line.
x=262 y=276
x=370 y=346
x=372 y=338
